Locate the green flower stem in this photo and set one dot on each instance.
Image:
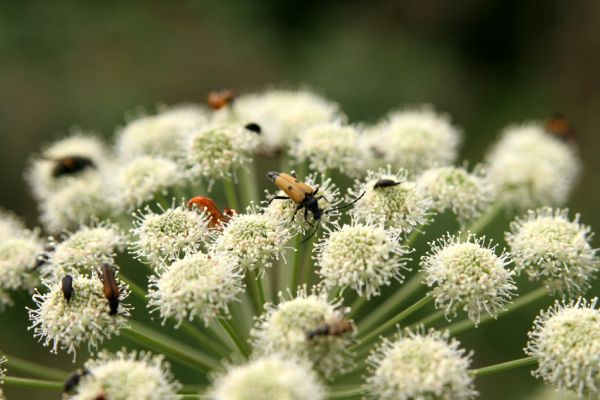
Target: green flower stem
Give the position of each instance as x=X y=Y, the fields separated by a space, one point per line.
x=374 y=333
x=391 y=303
x=241 y=345
x=357 y=391
x=138 y=291
x=308 y=268
x=461 y=326
x=189 y=396
x=231 y=195
x=482 y=222
x=192 y=389
x=165 y=344
x=41 y=371
x=357 y=305
x=260 y=290
x=164 y=201
x=253 y=289
x=431 y=318
x=296 y=264
x=502 y=367
x=33 y=383
x=413 y=236
x=249 y=184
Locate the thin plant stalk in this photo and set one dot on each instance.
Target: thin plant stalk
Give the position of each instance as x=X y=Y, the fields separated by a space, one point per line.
x=503 y=367
x=230 y=194
x=345 y=393
x=33 y=383
x=241 y=345
x=296 y=265
x=37 y=370
x=260 y=290
x=357 y=305
x=479 y=225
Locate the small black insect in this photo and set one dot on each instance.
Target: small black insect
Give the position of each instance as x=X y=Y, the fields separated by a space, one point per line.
x=111 y=289
x=382 y=183
x=73 y=380
x=70 y=165
x=254 y=127
x=67 y=287
x=43 y=258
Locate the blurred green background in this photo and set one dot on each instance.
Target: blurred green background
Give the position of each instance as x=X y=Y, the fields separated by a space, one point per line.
x=487 y=63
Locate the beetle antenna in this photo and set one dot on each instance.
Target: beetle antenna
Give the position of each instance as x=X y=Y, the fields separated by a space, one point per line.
x=312 y=233
x=346 y=205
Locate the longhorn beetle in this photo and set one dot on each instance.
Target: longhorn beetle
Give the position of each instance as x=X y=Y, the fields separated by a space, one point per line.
x=208 y=205
x=304 y=196
x=111 y=289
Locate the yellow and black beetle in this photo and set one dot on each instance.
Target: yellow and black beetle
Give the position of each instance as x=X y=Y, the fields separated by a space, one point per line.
x=304 y=196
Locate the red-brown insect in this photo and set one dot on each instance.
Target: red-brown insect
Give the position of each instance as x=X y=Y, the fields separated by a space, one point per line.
x=561 y=127
x=207 y=205
x=111 y=289
x=219 y=99
x=334 y=327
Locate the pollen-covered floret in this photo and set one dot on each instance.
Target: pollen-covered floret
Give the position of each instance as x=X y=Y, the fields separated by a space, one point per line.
x=169 y=235
x=81 y=202
x=162 y=134
x=142 y=179
x=420 y=366
x=18 y=258
x=467 y=274
x=10 y=225
x=402 y=207
x=252 y=240
x=83 y=250
x=39 y=174
x=271 y=377
x=364 y=257
x=283 y=114
x=216 y=151
x=127 y=375
x=285 y=210
x=65 y=324
x=416 y=139
x=331 y=146
x=284 y=328
x=198 y=285
x=547 y=246
x=530 y=168
x=565 y=340
x=466 y=194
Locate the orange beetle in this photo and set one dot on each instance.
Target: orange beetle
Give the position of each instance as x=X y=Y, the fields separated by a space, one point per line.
x=219 y=99
x=561 y=127
x=208 y=205
x=333 y=327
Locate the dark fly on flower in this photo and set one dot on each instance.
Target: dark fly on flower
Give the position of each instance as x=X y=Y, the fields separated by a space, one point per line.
x=66 y=285
x=73 y=380
x=304 y=196
x=383 y=183
x=70 y=165
x=111 y=289
x=333 y=327
x=254 y=127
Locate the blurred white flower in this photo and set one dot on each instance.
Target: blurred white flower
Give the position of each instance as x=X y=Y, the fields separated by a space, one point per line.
x=10 y=225
x=18 y=259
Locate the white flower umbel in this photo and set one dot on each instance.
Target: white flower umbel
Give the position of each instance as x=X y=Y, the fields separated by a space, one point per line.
x=331 y=146
x=83 y=250
x=467 y=274
x=565 y=340
x=284 y=329
x=18 y=258
x=531 y=168
x=10 y=225
x=81 y=202
x=216 y=151
x=127 y=375
x=65 y=325
x=39 y=174
x=271 y=377
x=402 y=207
x=252 y=240
x=364 y=257
x=466 y=194
x=198 y=285
x=162 y=134
x=547 y=246
x=142 y=179
x=416 y=139
x=169 y=235
x=285 y=210
x=283 y=114
x=420 y=366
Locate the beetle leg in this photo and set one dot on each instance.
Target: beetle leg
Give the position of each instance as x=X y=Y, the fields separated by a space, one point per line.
x=323 y=197
x=306 y=218
x=277 y=198
x=316 y=190
x=298 y=208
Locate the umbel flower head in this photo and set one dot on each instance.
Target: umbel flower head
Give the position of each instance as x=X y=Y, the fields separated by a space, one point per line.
x=284 y=211
x=176 y=231
x=331 y=146
x=41 y=175
x=416 y=139
x=198 y=285
x=547 y=246
x=252 y=240
x=530 y=168
x=284 y=329
x=468 y=275
x=400 y=206
x=10 y=225
x=272 y=377
x=364 y=257
x=565 y=340
x=283 y=114
x=127 y=375
x=18 y=258
x=466 y=194
x=66 y=324
x=142 y=179
x=162 y=134
x=420 y=366
x=83 y=250
x=216 y=151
